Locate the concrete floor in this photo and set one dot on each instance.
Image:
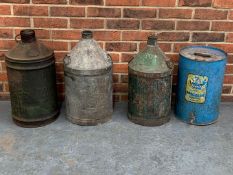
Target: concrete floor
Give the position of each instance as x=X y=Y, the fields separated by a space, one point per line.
x=118 y=147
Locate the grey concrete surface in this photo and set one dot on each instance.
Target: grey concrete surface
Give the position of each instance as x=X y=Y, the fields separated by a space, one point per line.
x=117 y=147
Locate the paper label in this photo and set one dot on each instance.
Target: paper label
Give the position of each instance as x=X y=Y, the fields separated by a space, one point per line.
x=196 y=88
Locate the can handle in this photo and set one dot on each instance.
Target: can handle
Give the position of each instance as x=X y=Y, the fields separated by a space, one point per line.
x=202 y=54
x=16 y=38
x=67 y=60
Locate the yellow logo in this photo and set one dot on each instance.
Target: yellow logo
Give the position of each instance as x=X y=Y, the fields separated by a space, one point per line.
x=196 y=88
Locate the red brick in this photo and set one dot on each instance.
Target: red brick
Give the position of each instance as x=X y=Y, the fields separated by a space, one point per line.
x=121 y=47
x=159 y=3
x=60 y=88
x=57 y=45
x=227 y=98
x=135 y=35
x=208 y=37
x=226 y=47
x=120 y=87
x=49 y=2
x=139 y=13
x=210 y=14
x=120 y=68
x=125 y=57
x=124 y=78
x=6 y=33
x=67 y=11
x=50 y=22
x=123 y=24
x=5 y=10
x=222 y=26
x=122 y=2
x=115 y=78
x=115 y=57
x=124 y=97
x=229 y=37
x=16 y=1
x=66 y=34
x=107 y=35
x=174 y=57
x=193 y=25
x=101 y=44
x=3 y=77
x=175 y=13
x=2 y=54
x=14 y=22
x=230 y=14
x=228 y=79
x=223 y=3
x=103 y=12
x=3 y=66
x=116 y=98
x=59 y=67
x=229 y=59
x=59 y=56
x=27 y=10
x=178 y=46
x=229 y=69
x=87 y=23
x=173 y=36
x=7 y=44
x=195 y=3
x=165 y=47
x=158 y=25
x=87 y=2
x=60 y=77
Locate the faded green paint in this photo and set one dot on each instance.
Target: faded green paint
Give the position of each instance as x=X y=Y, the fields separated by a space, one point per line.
x=32 y=83
x=150 y=82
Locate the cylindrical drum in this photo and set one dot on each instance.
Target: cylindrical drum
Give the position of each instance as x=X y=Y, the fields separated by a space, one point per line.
x=88 y=83
x=200 y=79
x=32 y=82
x=150 y=86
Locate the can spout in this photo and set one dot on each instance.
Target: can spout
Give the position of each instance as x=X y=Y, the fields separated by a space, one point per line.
x=27 y=36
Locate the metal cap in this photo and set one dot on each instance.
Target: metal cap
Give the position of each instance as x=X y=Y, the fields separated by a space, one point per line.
x=152 y=39
x=87 y=34
x=27 y=36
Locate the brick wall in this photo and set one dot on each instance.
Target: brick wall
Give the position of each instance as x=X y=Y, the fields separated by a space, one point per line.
x=121 y=27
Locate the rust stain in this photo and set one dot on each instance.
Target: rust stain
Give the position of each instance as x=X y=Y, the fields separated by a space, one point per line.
x=7 y=142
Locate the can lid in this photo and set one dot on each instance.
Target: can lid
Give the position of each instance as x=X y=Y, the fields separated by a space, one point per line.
x=203 y=53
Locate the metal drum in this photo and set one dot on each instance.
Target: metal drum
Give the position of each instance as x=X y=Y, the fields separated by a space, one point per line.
x=201 y=74
x=32 y=82
x=88 y=83
x=150 y=86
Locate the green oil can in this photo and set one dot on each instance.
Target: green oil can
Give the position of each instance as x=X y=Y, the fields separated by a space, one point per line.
x=150 y=86
x=32 y=82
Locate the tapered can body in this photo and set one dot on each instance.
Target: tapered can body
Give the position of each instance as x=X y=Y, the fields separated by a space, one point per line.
x=150 y=86
x=88 y=83
x=200 y=80
x=32 y=82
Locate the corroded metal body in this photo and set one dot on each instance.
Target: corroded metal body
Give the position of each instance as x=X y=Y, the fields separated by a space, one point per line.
x=32 y=82
x=150 y=86
x=88 y=83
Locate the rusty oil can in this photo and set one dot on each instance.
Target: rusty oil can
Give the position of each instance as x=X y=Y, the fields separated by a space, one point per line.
x=32 y=82
x=88 y=83
x=150 y=86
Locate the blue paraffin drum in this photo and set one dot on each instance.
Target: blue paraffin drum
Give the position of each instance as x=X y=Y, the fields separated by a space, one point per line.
x=200 y=80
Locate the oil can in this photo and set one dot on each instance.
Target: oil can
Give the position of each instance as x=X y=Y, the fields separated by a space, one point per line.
x=32 y=81
x=150 y=86
x=88 y=83
x=200 y=80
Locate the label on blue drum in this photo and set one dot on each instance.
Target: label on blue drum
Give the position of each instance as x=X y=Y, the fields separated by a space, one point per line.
x=196 y=88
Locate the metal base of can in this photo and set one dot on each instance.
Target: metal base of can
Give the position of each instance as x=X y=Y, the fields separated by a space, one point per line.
x=35 y=124
x=148 y=122
x=197 y=124
x=89 y=122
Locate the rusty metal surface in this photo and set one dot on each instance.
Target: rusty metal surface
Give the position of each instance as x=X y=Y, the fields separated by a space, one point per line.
x=88 y=84
x=32 y=85
x=150 y=86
